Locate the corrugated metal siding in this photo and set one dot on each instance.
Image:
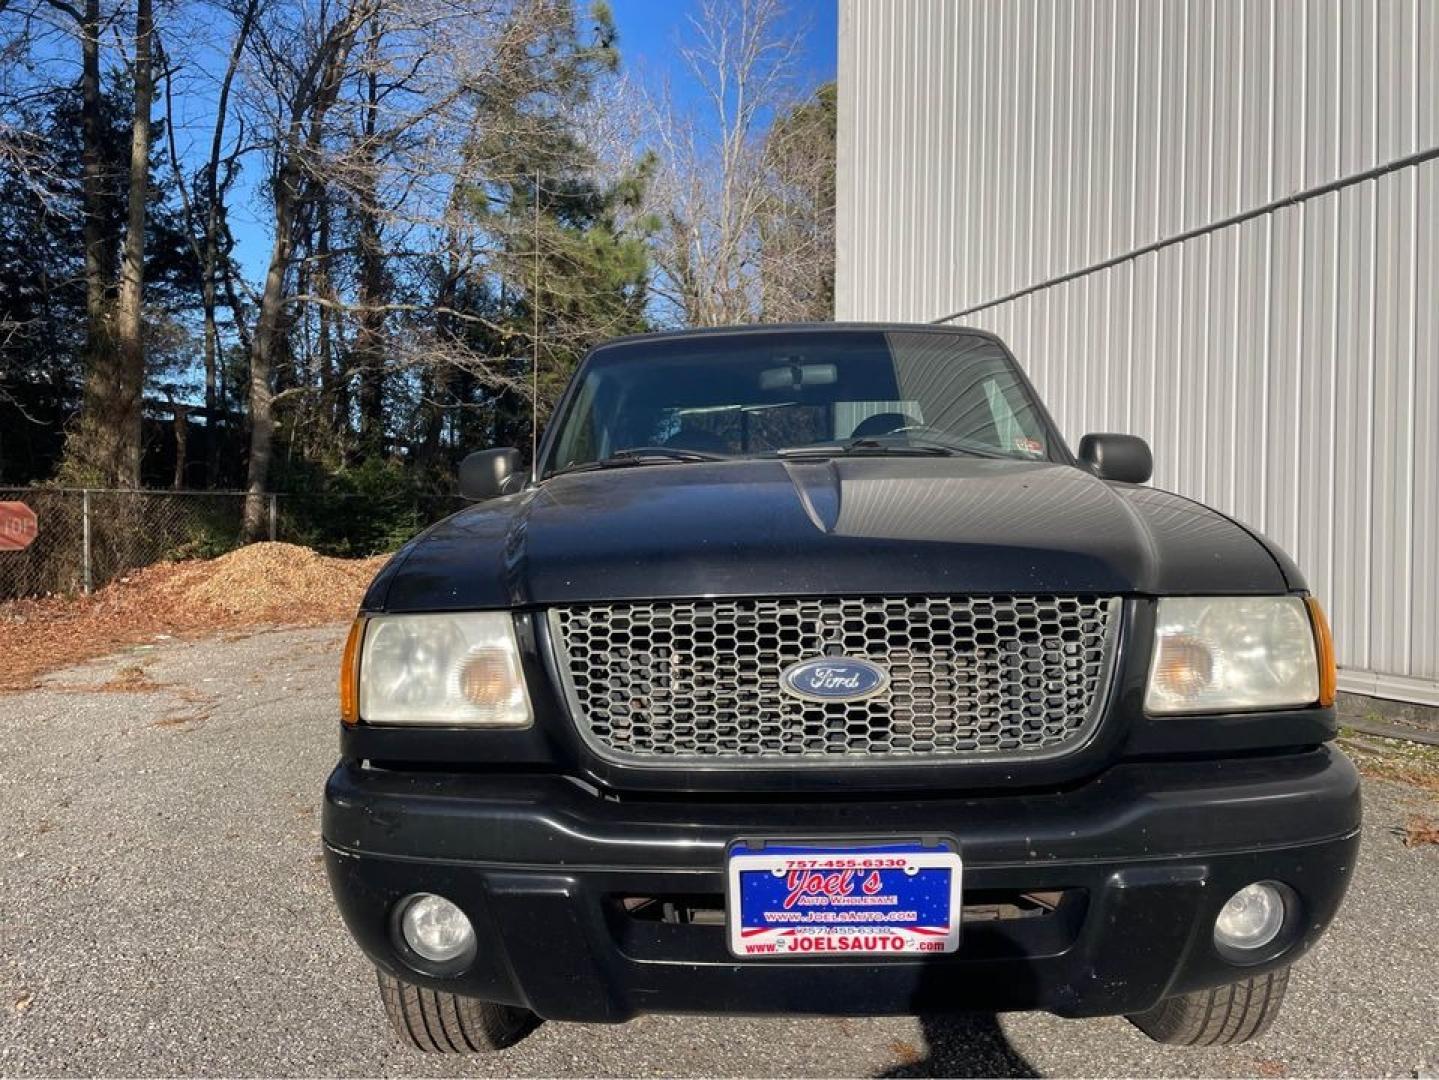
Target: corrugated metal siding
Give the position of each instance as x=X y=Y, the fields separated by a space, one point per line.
x=1285 y=368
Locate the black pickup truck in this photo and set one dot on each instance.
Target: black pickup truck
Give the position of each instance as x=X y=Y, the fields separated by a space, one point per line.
x=808 y=671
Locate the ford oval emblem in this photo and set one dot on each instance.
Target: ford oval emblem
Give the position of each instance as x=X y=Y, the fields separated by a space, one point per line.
x=834 y=678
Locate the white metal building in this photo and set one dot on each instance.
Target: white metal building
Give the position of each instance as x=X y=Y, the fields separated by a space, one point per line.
x=1211 y=224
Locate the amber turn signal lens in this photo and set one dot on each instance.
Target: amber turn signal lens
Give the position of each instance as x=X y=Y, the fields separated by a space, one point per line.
x=1184 y=666
x=350 y=674
x=485 y=678
x=1324 y=648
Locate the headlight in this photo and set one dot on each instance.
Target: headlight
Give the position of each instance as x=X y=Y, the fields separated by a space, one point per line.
x=461 y=669
x=1228 y=654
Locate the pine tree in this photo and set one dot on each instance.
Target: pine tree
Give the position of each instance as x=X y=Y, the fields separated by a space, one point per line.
x=42 y=276
x=572 y=263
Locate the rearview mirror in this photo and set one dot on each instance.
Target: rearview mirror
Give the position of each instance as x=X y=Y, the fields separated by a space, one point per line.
x=487 y=474
x=797 y=376
x=1125 y=458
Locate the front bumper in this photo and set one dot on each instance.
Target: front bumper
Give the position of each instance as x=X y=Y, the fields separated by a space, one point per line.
x=1144 y=855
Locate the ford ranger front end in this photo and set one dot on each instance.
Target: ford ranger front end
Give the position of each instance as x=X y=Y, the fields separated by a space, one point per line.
x=808 y=671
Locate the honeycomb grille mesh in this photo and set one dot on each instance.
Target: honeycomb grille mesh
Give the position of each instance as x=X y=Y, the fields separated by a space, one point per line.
x=969 y=677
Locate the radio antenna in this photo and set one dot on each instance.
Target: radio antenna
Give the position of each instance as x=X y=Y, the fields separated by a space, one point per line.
x=535 y=339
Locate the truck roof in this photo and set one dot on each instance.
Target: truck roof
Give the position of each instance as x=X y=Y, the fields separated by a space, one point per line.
x=806 y=327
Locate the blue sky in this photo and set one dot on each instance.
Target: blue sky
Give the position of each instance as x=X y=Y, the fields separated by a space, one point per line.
x=649 y=31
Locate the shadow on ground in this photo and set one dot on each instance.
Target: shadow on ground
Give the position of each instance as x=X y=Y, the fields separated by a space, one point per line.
x=965 y=1044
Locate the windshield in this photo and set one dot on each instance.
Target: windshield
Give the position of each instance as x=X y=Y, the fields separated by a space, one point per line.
x=793 y=393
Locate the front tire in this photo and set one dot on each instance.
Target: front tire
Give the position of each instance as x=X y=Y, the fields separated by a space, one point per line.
x=441 y=1023
x=1220 y=1017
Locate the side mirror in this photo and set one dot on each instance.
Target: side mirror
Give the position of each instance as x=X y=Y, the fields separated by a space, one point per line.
x=487 y=474
x=1117 y=457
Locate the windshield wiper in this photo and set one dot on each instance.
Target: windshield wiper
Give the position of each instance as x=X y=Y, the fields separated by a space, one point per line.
x=866 y=445
x=665 y=453
x=897 y=445
x=642 y=455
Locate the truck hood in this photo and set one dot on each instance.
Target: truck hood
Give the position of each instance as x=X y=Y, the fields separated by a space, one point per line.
x=852 y=525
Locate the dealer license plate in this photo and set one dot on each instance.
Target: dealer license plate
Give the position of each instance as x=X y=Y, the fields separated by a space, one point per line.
x=802 y=900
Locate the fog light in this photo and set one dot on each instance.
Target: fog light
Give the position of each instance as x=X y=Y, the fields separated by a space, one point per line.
x=1252 y=917
x=436 y=929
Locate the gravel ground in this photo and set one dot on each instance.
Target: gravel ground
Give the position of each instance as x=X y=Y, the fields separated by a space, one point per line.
x=163 y=910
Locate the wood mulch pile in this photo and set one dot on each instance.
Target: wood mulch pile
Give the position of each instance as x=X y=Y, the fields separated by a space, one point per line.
x=259 y=585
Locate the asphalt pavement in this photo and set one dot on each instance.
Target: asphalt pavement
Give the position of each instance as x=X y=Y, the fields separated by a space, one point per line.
x=163 y=911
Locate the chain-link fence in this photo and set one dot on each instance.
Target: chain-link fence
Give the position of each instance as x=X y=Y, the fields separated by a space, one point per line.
x=89 y=537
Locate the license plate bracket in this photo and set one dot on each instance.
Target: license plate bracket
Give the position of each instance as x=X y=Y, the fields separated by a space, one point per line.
x=862 y=898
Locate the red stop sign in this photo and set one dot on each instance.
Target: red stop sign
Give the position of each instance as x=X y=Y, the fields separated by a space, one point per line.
x=17 y=526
